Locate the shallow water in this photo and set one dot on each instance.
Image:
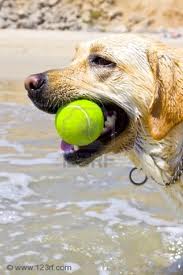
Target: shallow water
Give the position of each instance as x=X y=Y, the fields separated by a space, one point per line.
x=90 y=220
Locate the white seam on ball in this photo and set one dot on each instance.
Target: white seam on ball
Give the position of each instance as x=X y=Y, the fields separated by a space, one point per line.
x=86 y=115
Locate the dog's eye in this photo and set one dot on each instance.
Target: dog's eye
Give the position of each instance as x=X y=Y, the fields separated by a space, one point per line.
x=97 y=60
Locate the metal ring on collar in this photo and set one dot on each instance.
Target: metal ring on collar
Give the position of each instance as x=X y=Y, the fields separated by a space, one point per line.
x=134 y=182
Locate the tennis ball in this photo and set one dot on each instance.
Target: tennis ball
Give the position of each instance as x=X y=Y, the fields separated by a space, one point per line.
x=80 y=122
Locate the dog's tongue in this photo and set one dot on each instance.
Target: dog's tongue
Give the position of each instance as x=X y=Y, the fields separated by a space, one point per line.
x=66 y=147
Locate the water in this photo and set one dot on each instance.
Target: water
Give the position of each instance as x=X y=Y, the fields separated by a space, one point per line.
x=90 y=220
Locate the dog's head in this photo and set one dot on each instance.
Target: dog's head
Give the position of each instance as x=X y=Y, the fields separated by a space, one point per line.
x=127 y=75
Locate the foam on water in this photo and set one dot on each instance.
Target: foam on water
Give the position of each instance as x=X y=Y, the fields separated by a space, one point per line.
x=32 y=161
x=18 y=147
x=174 y=242
x=15 y=186
x=74 y=267
x=115 y=209
x=57 y=256
x=10 y=259
x=8 y=216
x=103 y=271
x=15 y=234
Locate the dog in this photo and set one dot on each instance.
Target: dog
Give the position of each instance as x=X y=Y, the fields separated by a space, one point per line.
x=139 y=80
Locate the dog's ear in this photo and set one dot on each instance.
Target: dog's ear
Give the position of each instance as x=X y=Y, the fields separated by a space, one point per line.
x=166 y=109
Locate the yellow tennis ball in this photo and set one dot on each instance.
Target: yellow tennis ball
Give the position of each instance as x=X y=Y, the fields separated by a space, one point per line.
x=80 y=122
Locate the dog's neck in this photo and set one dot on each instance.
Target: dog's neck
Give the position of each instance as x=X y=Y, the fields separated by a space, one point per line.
x=160 y=160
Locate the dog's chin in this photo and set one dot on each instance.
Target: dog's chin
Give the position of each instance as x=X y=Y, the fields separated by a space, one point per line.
x=43 y=105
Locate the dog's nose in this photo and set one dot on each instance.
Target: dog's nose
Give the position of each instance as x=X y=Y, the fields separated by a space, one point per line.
x=34 y=82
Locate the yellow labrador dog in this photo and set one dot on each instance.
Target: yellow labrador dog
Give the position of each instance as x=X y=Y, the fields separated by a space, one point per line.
x=138 y=82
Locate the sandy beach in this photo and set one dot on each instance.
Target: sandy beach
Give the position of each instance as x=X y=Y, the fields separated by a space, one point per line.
x=36 y=51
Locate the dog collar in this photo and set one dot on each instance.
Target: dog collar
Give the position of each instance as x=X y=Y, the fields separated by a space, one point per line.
x=177 y=175
x=134 y=181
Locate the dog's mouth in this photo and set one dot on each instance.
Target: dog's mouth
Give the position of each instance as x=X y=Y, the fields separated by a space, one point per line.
x=116 y=121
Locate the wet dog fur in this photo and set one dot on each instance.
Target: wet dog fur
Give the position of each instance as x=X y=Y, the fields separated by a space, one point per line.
x=141 y=76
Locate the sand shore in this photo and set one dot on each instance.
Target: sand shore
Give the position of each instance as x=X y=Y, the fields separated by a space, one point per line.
x=23 y=52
